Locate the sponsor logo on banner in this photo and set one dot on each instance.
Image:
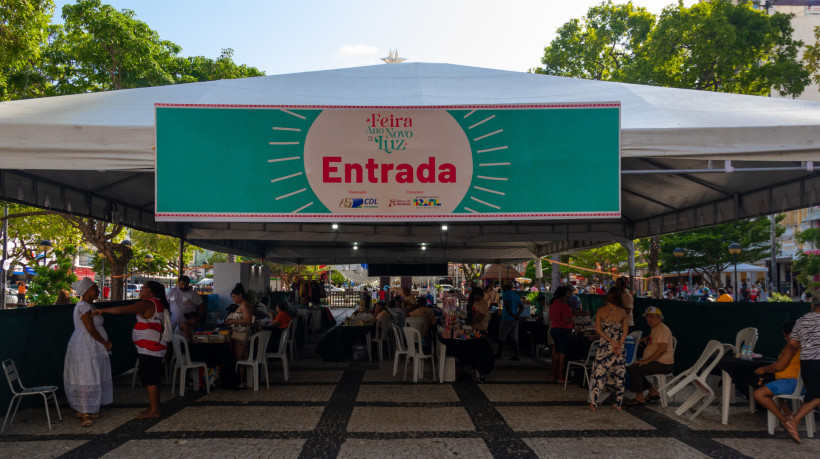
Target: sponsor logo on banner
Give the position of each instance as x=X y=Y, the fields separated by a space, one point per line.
x=426 y=202
x=364 y=203
x=399 y=202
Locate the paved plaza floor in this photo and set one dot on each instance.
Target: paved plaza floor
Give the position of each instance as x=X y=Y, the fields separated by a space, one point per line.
x=360 y=410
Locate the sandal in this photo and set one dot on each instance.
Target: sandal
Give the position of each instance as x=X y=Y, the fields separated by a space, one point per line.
x=635 y=402
x=653 y=398
x=79 y=415
x=86 y=421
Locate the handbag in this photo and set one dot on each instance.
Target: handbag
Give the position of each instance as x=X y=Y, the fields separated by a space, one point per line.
x=239 y=335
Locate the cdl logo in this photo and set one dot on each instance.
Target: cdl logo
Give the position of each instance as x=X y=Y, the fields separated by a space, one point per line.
x=361 y=202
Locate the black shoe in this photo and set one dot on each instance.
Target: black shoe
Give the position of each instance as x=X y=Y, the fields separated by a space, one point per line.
x=482 y=379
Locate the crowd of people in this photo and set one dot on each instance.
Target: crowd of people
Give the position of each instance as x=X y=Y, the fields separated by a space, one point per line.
x=88 y=381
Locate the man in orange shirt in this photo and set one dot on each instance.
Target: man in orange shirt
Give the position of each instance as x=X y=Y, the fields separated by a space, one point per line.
x=21 y=292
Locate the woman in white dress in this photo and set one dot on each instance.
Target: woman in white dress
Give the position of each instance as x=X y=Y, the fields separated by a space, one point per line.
x=87 y=372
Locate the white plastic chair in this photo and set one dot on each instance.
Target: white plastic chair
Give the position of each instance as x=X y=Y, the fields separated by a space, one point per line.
x=696 y=376
x=744 y=336
x=381 y=338
x=586 y=365
x=280 y=354
x=257 y=357
x=292 y=339
x=134 y=372
x=660 y=380
x=183 y=363
x=416 y=322
x=19 y=391
x=416 y=353
x=795 y=396
x=401 y=349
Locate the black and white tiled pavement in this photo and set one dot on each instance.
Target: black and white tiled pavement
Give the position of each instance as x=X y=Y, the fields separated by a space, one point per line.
x=358 y=409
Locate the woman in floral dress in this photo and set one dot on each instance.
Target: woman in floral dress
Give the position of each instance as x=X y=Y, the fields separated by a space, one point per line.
x=609 y=368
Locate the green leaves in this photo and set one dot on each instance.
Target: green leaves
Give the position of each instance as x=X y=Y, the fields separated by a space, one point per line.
x=603 y=47
x=44 y=287
x=99 y=48
x=713 y=46
x=706 y=250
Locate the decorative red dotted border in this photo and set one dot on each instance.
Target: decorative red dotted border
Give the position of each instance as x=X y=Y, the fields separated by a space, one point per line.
x=404 y=107
x=377 y=216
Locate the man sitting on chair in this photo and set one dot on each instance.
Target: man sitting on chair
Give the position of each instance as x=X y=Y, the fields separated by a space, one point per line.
x=658 y=358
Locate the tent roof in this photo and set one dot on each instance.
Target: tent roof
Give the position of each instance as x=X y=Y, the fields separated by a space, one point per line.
x=500 y=272
x=93 y=154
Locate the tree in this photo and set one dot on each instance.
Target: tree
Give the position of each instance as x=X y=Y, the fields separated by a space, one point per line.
x=603 y=47
x=706 y=250
x=718 y=46
x=472 y=272
x=106 y=238
x=43 y=289
x=111 y=49
x=650 y=248
x=28 y=226
x=714 y=46
x=23 y=32
x=610 y=258
x=807 y=266
x=199 y=68
x=165 y=250
x=811 y=56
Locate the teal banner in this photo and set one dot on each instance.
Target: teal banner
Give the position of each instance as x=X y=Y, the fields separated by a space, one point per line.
x=448 y=163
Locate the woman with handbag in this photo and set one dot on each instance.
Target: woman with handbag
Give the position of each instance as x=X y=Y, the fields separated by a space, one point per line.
x=241 y=323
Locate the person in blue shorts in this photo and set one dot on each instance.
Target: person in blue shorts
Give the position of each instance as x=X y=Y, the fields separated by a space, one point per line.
x=785 y=372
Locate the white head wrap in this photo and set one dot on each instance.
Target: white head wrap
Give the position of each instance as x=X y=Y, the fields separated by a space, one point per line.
x=82 y=286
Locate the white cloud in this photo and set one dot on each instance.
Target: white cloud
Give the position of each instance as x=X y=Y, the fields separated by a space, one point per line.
x=358 y=50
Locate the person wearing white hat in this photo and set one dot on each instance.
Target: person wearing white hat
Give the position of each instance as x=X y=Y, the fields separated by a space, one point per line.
x=658 y=358
x=87 y=370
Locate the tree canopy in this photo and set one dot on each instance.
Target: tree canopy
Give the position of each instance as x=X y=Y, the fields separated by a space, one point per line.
x=706 y=250
x=713 y=46
x=99 y=48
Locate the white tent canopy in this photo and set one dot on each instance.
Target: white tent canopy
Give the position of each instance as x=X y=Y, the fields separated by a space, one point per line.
x=93 y=155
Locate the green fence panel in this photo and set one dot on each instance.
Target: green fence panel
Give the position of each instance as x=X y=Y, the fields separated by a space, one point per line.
x=694 y=324
x=36 y=339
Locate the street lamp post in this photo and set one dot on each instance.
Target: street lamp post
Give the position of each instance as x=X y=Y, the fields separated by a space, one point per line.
x=678 y=253
x=735 y=249
x=45 y=246
x=148 y=259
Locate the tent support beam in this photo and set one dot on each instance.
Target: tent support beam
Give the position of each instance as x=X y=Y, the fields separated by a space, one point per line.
x=647 y=198
x=720 y=171
x=700 y=182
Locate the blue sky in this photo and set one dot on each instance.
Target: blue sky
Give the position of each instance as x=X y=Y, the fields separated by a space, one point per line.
x=305 y=35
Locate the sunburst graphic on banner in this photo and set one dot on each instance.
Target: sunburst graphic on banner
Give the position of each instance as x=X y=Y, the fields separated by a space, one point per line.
x=287 y=161
x=492 y=162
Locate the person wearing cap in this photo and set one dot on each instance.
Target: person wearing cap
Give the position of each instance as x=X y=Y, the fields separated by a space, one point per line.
x=658 y=358
x=87 y=369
